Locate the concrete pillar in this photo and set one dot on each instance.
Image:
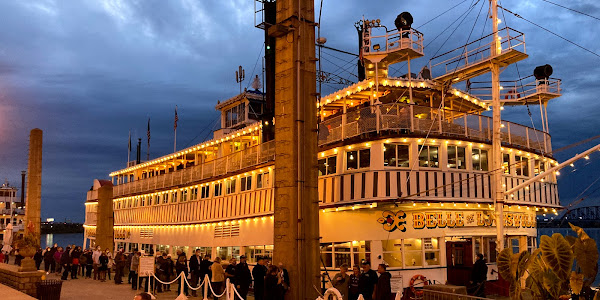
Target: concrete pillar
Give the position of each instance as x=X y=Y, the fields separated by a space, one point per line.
x=296 y=228
x=105 y=218
x=34 y=183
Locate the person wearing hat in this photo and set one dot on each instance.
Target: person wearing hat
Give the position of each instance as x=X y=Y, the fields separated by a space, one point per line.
x=243 y=278
x=258 y=273
x=367 y=281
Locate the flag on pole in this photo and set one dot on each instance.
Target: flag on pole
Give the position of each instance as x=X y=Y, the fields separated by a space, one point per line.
x=176 y=119
x=129 y=148
x=148 y=133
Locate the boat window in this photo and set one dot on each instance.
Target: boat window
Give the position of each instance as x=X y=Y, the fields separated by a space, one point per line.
x=205 y=191
x=392 y=252
x=395 y=155
x=522 y=165
x=480 y=159
x=254 y=252
x=506 y=163
x=235 y=115
x=184 y=195
x=428 y=156
x=335 y=254
x=540 y=167
x=218 y=189
x=358 y=159
x=456 y=157
x=262 y=180
x=174 y=197
x=246 y=183
x=230 y=186
x=327 y=165
x=413 y=252
x=194 y=194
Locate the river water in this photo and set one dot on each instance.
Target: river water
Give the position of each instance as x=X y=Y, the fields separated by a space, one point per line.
x=62 y=239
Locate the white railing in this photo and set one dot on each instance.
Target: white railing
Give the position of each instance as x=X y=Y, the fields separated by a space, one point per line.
x=439 y=295
x=477 y=51
x=234 y=162
x=420 y=120
x=391 y=41
x=512 y=91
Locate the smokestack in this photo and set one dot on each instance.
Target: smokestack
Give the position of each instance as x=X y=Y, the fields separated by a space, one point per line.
x=138 y=160
x=22 y=189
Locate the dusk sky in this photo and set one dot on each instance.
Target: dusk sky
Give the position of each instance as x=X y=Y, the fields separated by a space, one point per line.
x=86 y=72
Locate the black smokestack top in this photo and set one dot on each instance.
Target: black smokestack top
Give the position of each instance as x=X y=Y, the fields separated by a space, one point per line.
x=22 y=188
x=139 y=152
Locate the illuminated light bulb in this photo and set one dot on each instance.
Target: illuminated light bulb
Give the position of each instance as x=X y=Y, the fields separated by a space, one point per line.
x=545 y=209
x=587 y=157
x=454 y=204
x=557 y=173
x=572 y=165
x=447 y=142
x=371 y=206
x=478 y=205
x=537 y=209
x=337 y=209
x=419 y=140
x=414 y=204
x=428 y=204
x=467 y=204
x=442 y=204
x=323 y=211
x=353 y=207
x=404 y=140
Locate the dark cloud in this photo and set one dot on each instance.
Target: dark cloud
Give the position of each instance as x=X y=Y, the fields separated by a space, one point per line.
x=87 y=72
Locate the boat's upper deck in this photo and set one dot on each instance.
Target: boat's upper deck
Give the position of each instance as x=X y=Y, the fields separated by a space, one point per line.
x=365 y=109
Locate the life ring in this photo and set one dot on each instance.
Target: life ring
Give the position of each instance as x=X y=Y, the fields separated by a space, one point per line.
x=423 y=279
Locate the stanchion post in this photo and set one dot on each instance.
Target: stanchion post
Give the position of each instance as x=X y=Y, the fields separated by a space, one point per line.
x=182 y=287
x=206 y=283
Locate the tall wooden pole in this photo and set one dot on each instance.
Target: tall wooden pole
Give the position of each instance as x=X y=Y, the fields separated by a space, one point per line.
x=296 y=228
x=496 y=47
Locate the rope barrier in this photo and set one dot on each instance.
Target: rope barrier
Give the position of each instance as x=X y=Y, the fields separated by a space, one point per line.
x=153 y=275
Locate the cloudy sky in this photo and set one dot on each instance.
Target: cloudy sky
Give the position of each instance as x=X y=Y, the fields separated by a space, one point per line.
x=86 y=72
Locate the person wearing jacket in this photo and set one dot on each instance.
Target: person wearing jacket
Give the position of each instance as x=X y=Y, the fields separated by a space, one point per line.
x=102 y=266
x=195 y=261
x=65 y=262
x=96 y=262
x=258 y=273
x=273 y=288
x=218 y=276
x=48 y=261
x=57 y=255
x=367 y=281
x=205 y=267
x=353 y=290
x=133 y=269
x=37 y=257
x=181 y=266
x=120 y=260
x=75 y=257
x=383 y=289
x=243 y=278
x=341 y=281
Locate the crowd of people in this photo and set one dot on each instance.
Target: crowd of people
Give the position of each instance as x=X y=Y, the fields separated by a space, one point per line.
x=270 y=281
x=365 y=282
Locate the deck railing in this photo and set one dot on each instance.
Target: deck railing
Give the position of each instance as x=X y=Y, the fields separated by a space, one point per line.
x=236 y=161
x=477 y=51
x=439 y=295
x=517 y=89
x=413 y=119
x=392 y=40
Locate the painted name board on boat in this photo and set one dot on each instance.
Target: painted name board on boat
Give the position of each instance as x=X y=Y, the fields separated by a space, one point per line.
x=393 y=221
